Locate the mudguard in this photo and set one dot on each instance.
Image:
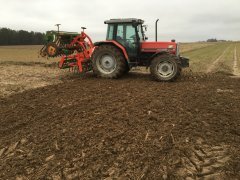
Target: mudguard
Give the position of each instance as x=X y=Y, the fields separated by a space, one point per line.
x=116 y=44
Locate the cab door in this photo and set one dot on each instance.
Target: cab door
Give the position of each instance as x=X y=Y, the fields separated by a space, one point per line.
x=127 y=36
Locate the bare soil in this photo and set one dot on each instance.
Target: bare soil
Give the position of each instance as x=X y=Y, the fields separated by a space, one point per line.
x=16 y=77
x=131 y=128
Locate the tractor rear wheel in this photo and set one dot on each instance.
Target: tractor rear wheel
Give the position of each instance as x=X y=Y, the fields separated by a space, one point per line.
x=165 y=68
x=108 y=62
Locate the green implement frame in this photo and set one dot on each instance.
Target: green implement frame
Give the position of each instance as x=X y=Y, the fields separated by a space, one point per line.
x=55 y=41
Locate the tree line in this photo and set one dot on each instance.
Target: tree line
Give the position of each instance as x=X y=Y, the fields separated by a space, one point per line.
x=22 y=37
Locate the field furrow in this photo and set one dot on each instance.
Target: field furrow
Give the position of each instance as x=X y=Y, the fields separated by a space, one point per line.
x=215 y=64
x=238 y=55
x=235 y=64
x=225 y=64
x=237 y=60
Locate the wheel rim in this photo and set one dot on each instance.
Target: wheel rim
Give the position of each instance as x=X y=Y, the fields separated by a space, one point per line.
x=166 y=69
x=51 y=50
x=106 y=64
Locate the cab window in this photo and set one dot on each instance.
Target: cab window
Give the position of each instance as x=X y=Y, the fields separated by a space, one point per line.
x=130 y=34
x=110 y=32
x=120 y=34
x=126 y=34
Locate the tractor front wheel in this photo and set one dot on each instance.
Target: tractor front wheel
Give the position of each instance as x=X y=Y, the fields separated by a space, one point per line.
x=108 y=62
x=165 y=68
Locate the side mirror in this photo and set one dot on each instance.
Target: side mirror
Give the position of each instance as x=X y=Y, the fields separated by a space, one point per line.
x=145 y=27
x=137 y=28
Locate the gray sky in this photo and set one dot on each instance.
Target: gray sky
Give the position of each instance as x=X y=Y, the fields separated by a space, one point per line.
x=184 y=20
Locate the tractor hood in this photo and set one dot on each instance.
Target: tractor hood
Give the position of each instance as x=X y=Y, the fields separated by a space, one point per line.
x=159 y=46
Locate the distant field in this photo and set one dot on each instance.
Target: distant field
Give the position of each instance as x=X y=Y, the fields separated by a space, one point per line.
x=21 y=54
x=214 y=58
x=185 y=47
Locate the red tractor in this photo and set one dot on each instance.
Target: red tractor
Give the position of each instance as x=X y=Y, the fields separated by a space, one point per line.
x=125 y=47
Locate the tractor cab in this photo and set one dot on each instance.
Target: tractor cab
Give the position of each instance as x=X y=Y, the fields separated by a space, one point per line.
x=127 y=32
x=130 y=34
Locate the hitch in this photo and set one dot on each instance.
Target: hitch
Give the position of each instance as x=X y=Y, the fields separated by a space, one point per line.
x=184 y=62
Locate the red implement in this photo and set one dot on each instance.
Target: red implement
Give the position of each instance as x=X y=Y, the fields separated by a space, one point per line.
x=84 y=48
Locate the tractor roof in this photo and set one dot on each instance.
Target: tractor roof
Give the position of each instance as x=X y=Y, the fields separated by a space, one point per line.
x=125 y=20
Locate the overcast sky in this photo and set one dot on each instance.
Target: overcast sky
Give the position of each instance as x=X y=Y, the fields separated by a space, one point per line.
x=183 y=20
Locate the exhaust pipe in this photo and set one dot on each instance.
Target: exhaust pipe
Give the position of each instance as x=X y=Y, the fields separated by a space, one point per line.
x=156 y=28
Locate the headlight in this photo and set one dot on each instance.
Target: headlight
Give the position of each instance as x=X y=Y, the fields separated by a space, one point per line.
x=170 y=46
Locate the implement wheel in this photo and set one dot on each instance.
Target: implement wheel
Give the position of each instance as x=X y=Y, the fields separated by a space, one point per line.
x=51 y=49
x=108 y=62
x=165 y=68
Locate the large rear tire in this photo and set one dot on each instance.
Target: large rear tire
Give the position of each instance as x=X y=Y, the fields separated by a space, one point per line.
x=108 y=62
x=165 y=68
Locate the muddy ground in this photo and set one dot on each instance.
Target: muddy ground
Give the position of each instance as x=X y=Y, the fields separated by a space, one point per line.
x=131 y=128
